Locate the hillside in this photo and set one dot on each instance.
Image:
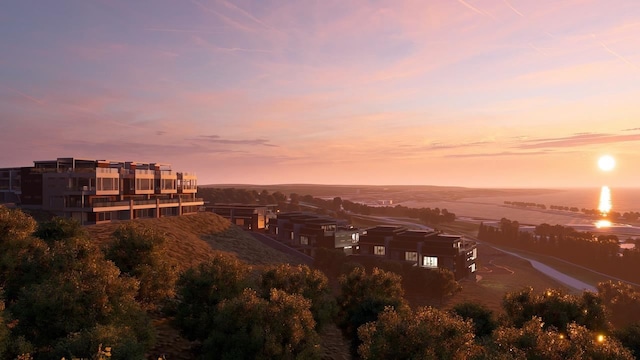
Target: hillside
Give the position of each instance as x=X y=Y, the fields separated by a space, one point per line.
x=192 y=239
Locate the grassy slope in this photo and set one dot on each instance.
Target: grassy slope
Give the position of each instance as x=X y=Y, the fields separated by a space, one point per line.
x=192 y=239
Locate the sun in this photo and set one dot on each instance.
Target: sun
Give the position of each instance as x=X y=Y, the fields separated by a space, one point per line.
x=606 y=163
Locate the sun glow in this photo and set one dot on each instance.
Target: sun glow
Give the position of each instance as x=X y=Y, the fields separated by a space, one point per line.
x=606 y=163
x=603 y=224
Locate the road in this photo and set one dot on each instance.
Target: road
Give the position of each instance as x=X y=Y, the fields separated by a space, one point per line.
x=553 y=273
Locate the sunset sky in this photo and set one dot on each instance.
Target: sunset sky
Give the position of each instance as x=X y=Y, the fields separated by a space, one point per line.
x=481 y=93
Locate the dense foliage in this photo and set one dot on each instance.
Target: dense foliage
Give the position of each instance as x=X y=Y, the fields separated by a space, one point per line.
x=139 y=252
x=427 y=333
x=251 y=327
x=363 y=296
x=63 y=296
x=310 y=283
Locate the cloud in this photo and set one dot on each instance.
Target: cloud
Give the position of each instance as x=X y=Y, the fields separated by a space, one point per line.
x=497 y=154
x=577 y=140
x=633 y=129
x=216 y=139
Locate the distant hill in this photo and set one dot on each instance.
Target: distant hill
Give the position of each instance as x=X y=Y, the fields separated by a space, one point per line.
x=192 y=239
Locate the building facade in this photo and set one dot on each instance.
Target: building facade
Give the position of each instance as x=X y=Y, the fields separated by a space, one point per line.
x=427 y=249
x=307 y=232
x=95 y=191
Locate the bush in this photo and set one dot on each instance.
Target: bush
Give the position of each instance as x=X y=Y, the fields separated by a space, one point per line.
x=202 y=288
x=302 y=280
x=363 y=296
x=139 y=252
x=249 y=327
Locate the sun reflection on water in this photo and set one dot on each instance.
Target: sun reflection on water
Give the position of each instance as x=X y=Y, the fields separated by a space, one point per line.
x=605 y=201
x=603 y=224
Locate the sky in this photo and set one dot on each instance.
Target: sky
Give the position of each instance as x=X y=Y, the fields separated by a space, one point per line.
x=478 y=93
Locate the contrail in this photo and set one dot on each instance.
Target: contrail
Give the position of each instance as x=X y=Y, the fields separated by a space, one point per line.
x=24 y=95
x=471 y=7
x=512 y=8
x=475 y=9
x=618 y=55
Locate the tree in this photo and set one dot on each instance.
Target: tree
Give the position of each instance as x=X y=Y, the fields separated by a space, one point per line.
x=629 y=336
x=4 y=332
x=481 y=316
x=362 y=297
x=59 y=228
x=139 y=252
x=79 y=292
x=202 y=288
x=14 y=224
x=426 y=334
x=622 y=302
x=250 y=327
x=302 y=280
x=555 y=309
x=337 y=203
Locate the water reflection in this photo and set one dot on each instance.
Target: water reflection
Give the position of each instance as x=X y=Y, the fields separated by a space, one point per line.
x=603 y=224
x=604 y=207
x=605 y=201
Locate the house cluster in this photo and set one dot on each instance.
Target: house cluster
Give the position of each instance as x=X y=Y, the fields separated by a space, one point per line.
x=307 y=232
x=423 y=248
x=95 y=191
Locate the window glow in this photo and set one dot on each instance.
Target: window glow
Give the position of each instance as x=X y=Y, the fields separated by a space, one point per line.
x=411 y=256
x=430 y=261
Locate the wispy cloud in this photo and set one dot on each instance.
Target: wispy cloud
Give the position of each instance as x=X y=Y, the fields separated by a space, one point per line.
x=189 y=31
x=497 y=154
x=216 y=139
x=577 y=140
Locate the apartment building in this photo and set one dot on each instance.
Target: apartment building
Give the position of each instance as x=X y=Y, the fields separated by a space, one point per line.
x=95 y=191
x=427 y=249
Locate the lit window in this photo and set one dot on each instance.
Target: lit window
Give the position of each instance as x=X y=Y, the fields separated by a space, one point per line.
x=378 y=250
x=291 y=235
x=474 y=254
x=411 y=256
x=304 y=240
x=472 y=267
x=430 y=261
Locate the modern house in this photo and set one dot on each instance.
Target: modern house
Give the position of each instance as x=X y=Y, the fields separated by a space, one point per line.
x=427 y=249
x=10 y=186
x=248 y=217
x=95 y=191
x=307 y=231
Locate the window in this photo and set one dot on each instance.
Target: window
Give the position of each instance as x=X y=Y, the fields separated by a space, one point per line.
x=378 y=250
x=472 y=267
x=430 y=262
x=473 y=255
x=411 y=256
x=291 y=235
x=304 y=240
